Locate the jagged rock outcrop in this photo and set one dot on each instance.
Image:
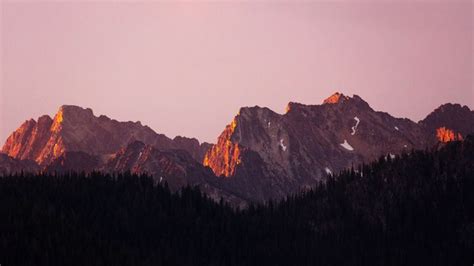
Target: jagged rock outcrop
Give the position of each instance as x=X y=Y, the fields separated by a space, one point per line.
x=28 y=140
x=449 y=122
x=75 y=129
x=176 y=167
x=281 y=154
x=336 y=98
x=224 y=157
x=196 y=150
x=446 y=135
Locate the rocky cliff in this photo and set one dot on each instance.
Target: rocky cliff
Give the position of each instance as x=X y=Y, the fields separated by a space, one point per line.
x=284 y=153
x=75 y=129
x=449 y=122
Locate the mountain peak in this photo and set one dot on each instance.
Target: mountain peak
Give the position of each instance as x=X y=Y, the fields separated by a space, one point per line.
x=337 y=97
x=73 y=114
x=291 y=106
x=44 y=119
x=76 y=129
x=450 y=122
x=74 y=110
x=452 y=107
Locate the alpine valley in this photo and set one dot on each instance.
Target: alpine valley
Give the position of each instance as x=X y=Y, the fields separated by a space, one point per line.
x=260 y=155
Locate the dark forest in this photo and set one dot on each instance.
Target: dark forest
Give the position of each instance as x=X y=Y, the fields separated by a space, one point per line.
x=415 y=209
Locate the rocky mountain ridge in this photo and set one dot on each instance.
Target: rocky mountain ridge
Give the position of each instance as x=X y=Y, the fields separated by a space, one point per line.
x=450 y=122
x=289 y=152
x=76 y=129
x=260 y=155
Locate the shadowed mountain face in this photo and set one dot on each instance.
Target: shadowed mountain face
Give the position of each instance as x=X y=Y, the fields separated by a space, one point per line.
x=176 y=167
x=450 y=122
x=76 y=161
x=11 y=165
x=273 y=155
x=260 y=154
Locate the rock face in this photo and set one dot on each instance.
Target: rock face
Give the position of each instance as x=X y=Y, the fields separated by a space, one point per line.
x=75 y=129
x=224 y=157
x=445 y=135
x=28 y=141
x=196 y=150
x=176 y=167
x=75 y=161
x=450 y=122
x=268 y=155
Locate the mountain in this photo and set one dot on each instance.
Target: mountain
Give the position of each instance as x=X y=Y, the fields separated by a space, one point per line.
x=171 y=166
x=75 y=129
x=269 y=155
x=75 y=161
x=10 y=165
x=176 y=167
x=450 y=122
x=260 y=155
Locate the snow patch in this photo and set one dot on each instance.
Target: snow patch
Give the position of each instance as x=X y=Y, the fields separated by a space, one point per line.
x=269 y=123
x=392 y=156
x=328 y=171
x=161 y=179
x=405 y=146
x=346 y=146
x=354 y=128
x=396 y=128
x=282 y=145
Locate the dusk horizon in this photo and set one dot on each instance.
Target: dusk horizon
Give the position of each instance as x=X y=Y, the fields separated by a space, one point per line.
x=174 y=66
x=237 y=132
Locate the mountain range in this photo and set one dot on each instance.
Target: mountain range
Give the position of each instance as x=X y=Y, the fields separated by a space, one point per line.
x=260 y=155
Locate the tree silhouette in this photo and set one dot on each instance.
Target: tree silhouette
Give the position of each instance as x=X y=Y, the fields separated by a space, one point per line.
x=414 y=209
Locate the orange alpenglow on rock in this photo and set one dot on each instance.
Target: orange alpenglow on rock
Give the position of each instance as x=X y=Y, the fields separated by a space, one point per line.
x=446 y=135
x=336 y=98
x=224 y=157
x=58 y=119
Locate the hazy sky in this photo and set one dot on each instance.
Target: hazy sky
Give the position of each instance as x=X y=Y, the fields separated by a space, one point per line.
x=187 y=68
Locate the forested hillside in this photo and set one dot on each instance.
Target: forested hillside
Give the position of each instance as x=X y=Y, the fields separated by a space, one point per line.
x=414 y=209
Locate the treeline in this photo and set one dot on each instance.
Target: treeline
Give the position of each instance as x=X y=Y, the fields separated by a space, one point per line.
x=416 y=209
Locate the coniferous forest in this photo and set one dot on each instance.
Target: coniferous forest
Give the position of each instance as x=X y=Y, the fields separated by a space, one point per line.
x=416 y=209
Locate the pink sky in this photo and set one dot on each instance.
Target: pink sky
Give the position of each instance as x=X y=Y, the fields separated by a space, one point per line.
x=187 y=68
